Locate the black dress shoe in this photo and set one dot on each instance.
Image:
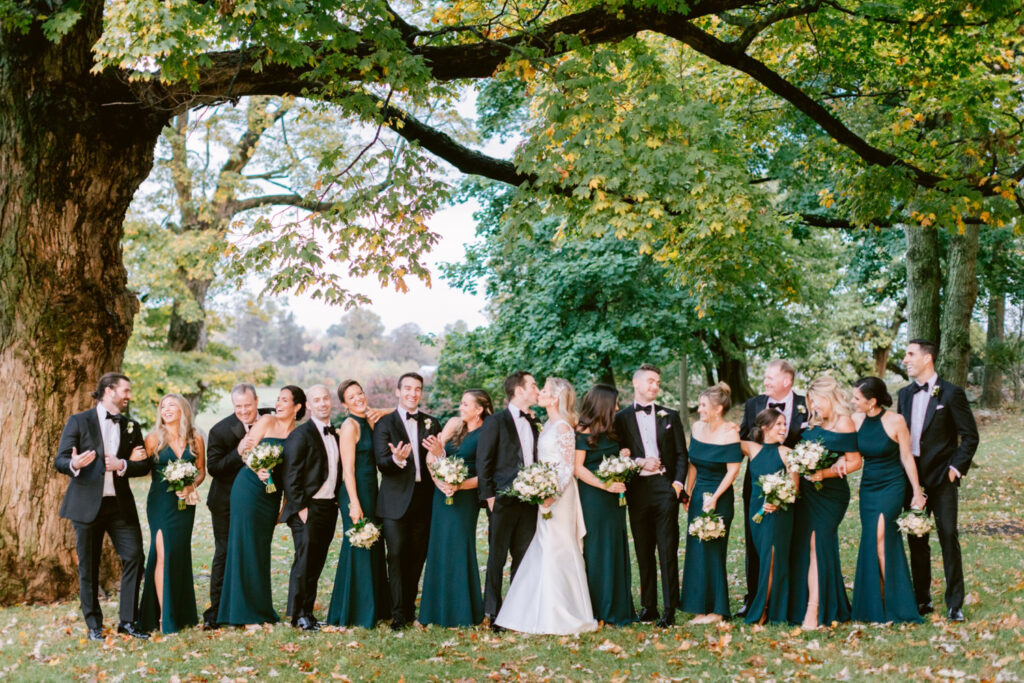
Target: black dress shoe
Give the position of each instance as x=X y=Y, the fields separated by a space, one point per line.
x=666 y=621
x=398 y=624
x=742 y=611
x=210 y=625
x=924 y=608
x=307 y=624
x=956 y=614
x=95 y=634
x=648 y=614
x=129 y=628
x=497 y=629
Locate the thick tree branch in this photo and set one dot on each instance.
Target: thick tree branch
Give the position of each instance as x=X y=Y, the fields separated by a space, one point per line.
x=752 y=30
x=180 y=174
x=291 y=199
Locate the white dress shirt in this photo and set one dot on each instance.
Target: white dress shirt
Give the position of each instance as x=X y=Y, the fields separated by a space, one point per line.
x=326 y=492
x=111 y=442
x=647 y=424
x=918 y=409
x=787 y=409
x=413 y=429
x=525 y=431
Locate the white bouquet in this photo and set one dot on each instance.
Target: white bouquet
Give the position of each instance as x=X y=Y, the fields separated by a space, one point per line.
x=778 y=489
x=618 y=468
x=534 y=484
x=449 y=470
x=707 y=526
x=179 y=474
x=363 y=534
x=810 y=456
x=264 y=456
x=915 y=523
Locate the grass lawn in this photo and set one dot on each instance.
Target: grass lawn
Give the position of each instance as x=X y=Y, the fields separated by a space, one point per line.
x=48 y=642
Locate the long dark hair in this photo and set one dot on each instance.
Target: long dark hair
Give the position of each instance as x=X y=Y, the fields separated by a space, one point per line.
x=483 y=399
x=874 y=388
x=598 y=413
x=765 y=420
x=298 y=396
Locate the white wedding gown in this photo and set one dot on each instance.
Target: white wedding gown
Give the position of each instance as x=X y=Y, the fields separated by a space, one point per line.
x=549 y=593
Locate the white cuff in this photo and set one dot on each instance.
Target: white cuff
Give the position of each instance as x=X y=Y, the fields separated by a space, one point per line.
x=74 y=472
x=955 y=471
x=400 y=463
x=679 y=484
x=124 y=468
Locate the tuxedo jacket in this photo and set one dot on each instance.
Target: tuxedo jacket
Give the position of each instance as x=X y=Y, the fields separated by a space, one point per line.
x=949 y=435
x=670 y=438
x=755 y=405
x=397 y=483
x=223 y=461
x=305 y=467
x=85 y=492
x=499 y=453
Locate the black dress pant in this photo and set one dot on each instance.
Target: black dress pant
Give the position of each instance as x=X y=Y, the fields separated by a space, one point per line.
x=221 y=519
x=511 y=528
x=942 y=503
x=312 y=540
x=127 y=539
x=751 y=564
x=654 y=521
x=407 y=539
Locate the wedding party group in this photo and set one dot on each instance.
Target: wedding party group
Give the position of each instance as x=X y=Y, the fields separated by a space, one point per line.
x=558 y=497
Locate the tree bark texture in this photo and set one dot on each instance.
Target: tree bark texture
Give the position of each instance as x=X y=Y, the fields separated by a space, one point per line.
x=959 y=297
x=992 y=384
x=923 y=283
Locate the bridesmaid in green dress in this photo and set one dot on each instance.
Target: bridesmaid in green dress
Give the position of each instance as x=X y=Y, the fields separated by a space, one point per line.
x=773 y=534
x=169 y=596
x=451 y=578
x=247 y=597
x=715 y=457
x=882 y=591
x=817 y=593
x=360 y=596
x=606 y=544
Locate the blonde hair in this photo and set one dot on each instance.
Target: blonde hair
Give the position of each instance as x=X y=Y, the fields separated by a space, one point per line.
x=720 y=395
x=185 y=428
x=828 y=389
x=565 y=396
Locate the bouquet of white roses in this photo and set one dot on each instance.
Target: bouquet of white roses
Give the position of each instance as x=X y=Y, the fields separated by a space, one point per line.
x=534 y=484
x=810 y=456
x=264 y=456
x=450 y=470
x=179 y=474
x=618 y=468
x=914 y=523
x=363 y=534
x=707 y=526
x=778 y=489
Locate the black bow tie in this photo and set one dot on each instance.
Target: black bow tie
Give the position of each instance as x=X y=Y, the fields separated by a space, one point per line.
x=644 y=409
x=526 y=416
x=328 y=429
x=781 y=407
x=411 y=416
x=117 y=419
x=916 y=388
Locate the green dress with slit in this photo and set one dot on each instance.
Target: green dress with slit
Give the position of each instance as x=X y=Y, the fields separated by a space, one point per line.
x=883 y=487
x=175 y=527
x=772 y=538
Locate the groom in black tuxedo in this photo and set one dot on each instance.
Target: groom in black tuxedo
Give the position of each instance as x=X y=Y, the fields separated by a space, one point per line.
x=96 y=450
x=406 y=493
x=223 y=463
x=654 y=435
x=943 y=439
x=778 y=386
x=508 y=440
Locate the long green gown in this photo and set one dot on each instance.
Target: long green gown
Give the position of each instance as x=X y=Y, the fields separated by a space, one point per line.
x=175 y=526
x=882 y=490
x=451 y=578
x=705 y=587
x=360 y=596
x=819 y=513
x=772 y=537
x=606 y=545
x=247 y=596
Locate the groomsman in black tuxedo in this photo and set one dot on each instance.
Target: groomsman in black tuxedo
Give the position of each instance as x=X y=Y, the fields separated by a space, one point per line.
x=654 y=436
x=778 y=386
x=312 y=479
x=223 y=462
x=406 y=493
x=96 y=450
x=943 y=439
x=508 y=441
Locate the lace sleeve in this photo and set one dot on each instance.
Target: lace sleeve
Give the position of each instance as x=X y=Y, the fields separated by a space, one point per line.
x=566 y=442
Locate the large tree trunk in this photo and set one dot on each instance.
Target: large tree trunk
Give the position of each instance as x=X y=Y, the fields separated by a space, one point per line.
x=923 y=283
x=992 y=384
x=731 y=367
x=65 y=310
x=959 y=296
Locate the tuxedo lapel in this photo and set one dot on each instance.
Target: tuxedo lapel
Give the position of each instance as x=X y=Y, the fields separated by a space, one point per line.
x=905 y=403
x=238 y=428
x=513 y=436
x=797 y=420
x=92 y=419
x=318 y=441
x=634 y=430
x=933 y=402
x=401 y=430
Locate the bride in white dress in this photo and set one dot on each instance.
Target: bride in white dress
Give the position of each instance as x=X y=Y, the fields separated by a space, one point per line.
x=549 y=593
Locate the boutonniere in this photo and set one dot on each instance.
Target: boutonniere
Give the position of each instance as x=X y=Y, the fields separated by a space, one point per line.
x=802 y=409
x=130 y=426
x=427 y=423
x=935 y=391
x=662 y=413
